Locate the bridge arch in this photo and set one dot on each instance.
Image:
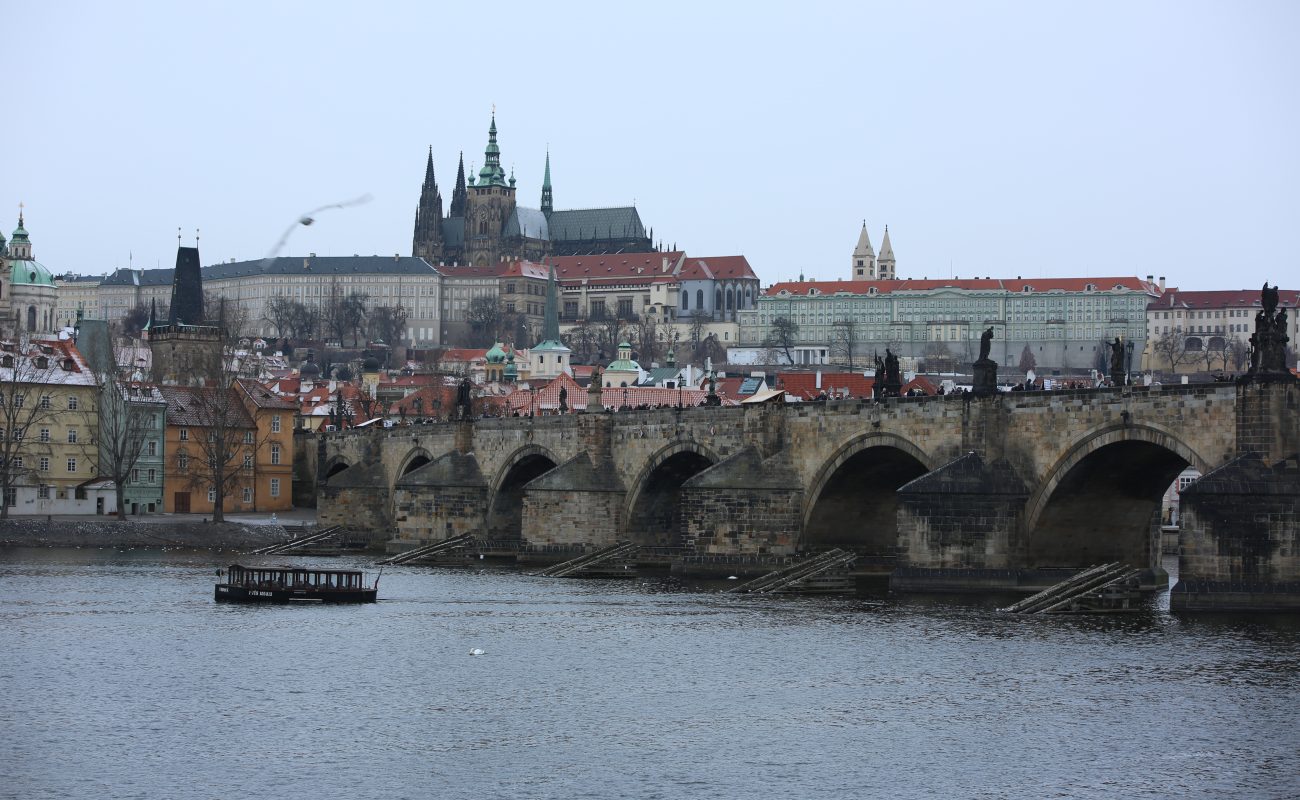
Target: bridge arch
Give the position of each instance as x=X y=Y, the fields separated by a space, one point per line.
x=1100 y=500
x=415 y=458
x=652 y=513
x=334 y=466
x=505 y=517
x=851 y=501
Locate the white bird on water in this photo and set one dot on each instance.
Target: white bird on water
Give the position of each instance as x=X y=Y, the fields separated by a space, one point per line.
x=477 y=651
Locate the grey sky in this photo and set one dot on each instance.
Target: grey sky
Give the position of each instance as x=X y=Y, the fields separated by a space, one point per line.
x=1005 y=139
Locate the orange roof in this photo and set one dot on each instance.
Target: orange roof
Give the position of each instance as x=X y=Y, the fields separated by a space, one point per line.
x=804 y=384
x=717 y=267
x=464 y=355
x=548 y=397
x=617 y=266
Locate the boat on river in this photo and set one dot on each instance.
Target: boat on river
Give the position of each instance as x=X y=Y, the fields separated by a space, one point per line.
x=294 y=585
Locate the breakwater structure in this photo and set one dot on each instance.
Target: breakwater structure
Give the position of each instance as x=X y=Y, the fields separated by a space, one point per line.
x=953 y=493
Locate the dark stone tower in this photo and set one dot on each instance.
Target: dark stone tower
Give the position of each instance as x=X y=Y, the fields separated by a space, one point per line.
x=458 y=194
x=491 y=202
x=427 y=241
x=548 y=201
x=187 y=289
x=185 y=351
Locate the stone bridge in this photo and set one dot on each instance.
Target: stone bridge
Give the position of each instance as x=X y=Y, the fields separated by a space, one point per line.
x=949 y=492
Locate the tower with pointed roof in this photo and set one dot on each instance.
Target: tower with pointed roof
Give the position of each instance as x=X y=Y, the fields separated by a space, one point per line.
x=185 y=350
x=490 y=203
x=885 y=266
x=548 y=202
x=427 y=242
x=28 y=287
x=549 y=357
x=864 y=257
x=457 y=194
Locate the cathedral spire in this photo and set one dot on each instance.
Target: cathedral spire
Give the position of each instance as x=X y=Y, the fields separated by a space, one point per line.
x=864 y=257
x=548 y=202
x=886 y=260
x=426 y=242
x=458 y=194
x=492 y=174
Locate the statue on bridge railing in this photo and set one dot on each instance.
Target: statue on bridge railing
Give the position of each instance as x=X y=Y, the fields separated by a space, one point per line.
x=985 y=369
x=878 y=386
x=1118 y=374
x=464 y=405
x=893 y=381
x=1268 y=342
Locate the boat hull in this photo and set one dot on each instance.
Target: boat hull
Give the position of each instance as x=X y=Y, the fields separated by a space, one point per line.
x=228 y=593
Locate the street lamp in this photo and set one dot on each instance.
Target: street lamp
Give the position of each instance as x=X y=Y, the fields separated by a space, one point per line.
x=1128 y=365
x=624 y=398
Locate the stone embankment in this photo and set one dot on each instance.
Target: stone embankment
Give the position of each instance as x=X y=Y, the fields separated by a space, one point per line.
x=112 y=533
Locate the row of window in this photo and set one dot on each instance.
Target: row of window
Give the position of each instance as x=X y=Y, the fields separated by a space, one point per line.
x=46 y=401
x=44 y=464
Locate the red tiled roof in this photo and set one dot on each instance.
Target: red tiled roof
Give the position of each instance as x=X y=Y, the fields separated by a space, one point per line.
x=548 y=397
x=1236 y=298
x=804 y=384
x=618 y=266
x=263 y=397
x=718 y=267
x=1016 y=285
x=462 y=355
x=432 y=400
x=525 y=269
x=920 y=382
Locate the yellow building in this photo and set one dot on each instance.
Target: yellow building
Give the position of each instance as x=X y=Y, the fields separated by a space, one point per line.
x=273 y=417
x=204 y=426
x=48 y=426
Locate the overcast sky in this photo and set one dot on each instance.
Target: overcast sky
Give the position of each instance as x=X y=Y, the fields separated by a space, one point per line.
x=999 y=139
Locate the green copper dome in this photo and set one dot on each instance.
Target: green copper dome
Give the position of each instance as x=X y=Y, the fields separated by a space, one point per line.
x=496 y=355
x=29 y=273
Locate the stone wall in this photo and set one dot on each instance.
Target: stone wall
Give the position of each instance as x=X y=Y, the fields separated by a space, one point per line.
x=572 y=518
x=741 y=521
x=422 y=515
x=965 y=515
x=1240 y=537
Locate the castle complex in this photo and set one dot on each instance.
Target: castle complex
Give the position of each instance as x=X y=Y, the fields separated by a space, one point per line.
x=485 y=225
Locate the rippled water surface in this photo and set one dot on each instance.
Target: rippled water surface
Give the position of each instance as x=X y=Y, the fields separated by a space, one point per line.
x=121 y=678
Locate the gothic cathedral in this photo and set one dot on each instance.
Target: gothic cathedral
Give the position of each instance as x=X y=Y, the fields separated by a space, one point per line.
x=485 y=225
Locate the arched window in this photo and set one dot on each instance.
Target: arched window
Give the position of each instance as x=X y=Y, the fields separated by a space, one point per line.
x=717 y=299
x=731 y=300
x=686 y=301
x=31 y=318
x=699 y=299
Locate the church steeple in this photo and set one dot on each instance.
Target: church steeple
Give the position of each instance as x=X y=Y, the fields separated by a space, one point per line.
x=886 y=260
x=547 y=201
x=492 y=174
x=864 y=257
x=551 y=322
x=458 y=194
x=427 y=240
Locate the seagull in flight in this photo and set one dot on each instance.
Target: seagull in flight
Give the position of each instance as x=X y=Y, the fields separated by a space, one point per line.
x=309 y=218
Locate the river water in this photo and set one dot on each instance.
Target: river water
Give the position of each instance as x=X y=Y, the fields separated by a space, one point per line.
x=121 y=678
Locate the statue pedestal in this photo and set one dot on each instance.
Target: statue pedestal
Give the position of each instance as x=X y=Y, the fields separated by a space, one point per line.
x=986 y=378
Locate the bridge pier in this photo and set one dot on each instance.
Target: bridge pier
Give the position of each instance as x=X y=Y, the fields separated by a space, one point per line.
x=445 y=498
x=1239 y=538
x=743 y=505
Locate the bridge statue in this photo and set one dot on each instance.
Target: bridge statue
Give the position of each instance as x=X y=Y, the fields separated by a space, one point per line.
x=986 y=369
x=464 y=405
x=1268 y=342
x=878 y=386
x=1117 y=372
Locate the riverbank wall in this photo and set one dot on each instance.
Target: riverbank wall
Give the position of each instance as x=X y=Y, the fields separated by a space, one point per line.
x=114 y=533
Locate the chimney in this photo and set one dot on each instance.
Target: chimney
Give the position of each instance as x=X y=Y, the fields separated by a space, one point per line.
x=1162 y=283
x=1151 y=279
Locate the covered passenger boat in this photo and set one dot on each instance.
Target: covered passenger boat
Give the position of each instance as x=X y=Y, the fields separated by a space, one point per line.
x=294 y=584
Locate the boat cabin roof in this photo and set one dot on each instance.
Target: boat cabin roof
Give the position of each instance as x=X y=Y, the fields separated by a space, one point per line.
x=294 y=570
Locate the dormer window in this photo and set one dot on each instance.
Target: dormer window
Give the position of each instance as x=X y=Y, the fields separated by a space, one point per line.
x=41 y=362
x=872 y=290
x=7 y=361
x=1091 y=287
x=1026 y=288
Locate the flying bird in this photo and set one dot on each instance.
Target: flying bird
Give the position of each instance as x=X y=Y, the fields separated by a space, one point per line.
x=310 y=218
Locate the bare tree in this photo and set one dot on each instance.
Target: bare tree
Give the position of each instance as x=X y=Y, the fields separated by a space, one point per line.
x=484 y=317
x=646 y=335
x=781 y=338
x=581 y=339
x=844 y=333
x=699 y=324
x=387 y=323
x=939 y=358
x=1171 y=346
x=127 y=414
x=333 y=319
x=1216 y=350
x=353 y=312
x=1027 y=360
x=610 y=332
x=221 y=433
x=280 y=312
x=1238 y=354
x=30 y=371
